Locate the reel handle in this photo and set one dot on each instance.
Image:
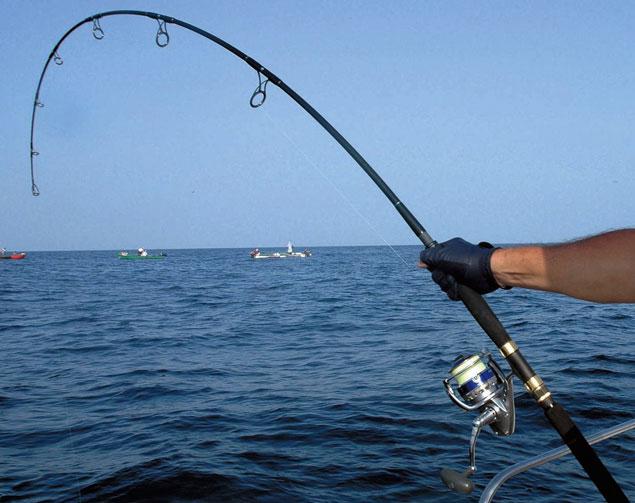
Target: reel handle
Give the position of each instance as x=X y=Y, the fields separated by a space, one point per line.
x=456 y=481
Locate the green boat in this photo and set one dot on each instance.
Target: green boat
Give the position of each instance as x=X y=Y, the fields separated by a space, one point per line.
x=138 y=256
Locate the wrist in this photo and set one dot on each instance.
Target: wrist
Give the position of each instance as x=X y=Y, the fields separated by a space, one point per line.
x=497 y=261
x=523 y=267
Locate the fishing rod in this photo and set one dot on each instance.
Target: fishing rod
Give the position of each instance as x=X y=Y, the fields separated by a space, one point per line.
x=474 y=302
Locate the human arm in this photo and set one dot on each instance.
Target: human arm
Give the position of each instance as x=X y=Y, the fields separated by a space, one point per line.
x=598 y=269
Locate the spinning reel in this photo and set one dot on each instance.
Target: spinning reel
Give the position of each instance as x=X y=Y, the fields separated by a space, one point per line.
x=482 y=386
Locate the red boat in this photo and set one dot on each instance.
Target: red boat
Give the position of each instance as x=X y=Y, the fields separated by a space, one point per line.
x=15 y=256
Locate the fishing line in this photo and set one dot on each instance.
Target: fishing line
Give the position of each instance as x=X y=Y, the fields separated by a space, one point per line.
x=332 y=184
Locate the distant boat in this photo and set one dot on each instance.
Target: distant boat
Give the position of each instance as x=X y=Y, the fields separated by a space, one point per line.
x=14 y=256
x=140 y=255
x=289 y=253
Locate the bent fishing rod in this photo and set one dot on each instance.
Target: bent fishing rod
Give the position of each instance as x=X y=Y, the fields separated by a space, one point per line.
x=474 y=302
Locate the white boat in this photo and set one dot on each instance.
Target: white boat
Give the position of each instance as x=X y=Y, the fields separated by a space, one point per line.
x=289 y=253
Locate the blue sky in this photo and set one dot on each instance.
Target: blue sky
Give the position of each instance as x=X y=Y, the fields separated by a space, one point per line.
x=499 y=121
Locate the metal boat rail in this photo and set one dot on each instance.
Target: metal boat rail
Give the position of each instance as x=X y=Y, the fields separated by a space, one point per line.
x=546 y=457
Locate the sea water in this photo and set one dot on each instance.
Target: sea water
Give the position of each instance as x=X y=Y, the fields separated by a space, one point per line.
x=209 y=376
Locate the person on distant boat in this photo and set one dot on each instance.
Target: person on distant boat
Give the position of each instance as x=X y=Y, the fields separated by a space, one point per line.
x=289 y=247
x=598 y=269
x=141 y=252
x=3 y=250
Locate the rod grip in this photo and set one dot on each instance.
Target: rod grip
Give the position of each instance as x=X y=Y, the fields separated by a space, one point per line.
x=554 y=412
x=585 y=454
x=484 y=316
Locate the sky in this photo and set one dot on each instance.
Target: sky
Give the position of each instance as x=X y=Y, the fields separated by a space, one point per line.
x=511 y=122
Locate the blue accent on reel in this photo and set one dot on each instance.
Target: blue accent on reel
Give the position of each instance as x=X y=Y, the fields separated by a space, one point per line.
x=477 y=381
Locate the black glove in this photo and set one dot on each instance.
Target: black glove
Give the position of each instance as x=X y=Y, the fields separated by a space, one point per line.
x=457 y=261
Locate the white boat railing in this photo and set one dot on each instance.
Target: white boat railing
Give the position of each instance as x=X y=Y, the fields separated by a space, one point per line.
x=546 y=457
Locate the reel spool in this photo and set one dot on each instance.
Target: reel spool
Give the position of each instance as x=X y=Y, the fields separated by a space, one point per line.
x=481 y=385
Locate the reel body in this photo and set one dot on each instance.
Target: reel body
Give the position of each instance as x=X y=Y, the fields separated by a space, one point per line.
x=477 y=383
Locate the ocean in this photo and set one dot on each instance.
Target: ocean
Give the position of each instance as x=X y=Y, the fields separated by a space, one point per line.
x=208 y=376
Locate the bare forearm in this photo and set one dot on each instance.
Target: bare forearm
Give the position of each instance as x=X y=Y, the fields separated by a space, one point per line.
x=599 y=269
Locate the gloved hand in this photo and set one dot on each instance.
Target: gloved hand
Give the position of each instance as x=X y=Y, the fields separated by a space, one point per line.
x=457 y=261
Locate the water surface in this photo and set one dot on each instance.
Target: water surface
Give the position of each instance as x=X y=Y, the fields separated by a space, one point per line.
x=208 y=376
